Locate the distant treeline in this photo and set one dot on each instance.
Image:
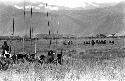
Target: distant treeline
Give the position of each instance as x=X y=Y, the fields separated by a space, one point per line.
x=56 y=36
x=16 y=38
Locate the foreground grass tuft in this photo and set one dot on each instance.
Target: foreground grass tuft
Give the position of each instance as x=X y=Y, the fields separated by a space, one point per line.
x=77 y=70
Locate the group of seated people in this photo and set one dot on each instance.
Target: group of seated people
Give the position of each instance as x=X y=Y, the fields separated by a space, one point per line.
x=6 y=53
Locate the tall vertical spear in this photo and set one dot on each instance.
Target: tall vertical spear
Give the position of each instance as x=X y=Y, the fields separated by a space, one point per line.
x=24 y=24
x=50 y=38
x=48 y=25
x=30 y=33
x=24 y=11
x=13 y=26
x=31 y=38
x=12 y=34
x=31 y=12
x=57 y=37
x=49 y=32
x=31 y=29
x=35 y=46
x=57 y=33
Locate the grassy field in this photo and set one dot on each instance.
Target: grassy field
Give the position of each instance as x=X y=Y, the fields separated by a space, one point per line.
x=75 y=70
x=77 y=66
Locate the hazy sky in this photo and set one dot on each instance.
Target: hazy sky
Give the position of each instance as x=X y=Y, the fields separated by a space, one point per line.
x=67 y=3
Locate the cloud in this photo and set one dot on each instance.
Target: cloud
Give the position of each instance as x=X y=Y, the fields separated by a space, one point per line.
x=41 y=5
x=18 y=7
x=53 y=8
x=66 y=3
x=28 y=7
x=37 y=8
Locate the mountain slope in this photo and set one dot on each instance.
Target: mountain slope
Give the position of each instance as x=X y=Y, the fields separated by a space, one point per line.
x=105 y=20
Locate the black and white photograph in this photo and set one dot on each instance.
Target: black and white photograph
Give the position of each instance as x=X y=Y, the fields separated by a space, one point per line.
x=62 y=40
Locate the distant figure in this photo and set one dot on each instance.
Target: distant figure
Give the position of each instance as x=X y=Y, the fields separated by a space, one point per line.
x=92 y=42
x=112 y=42
x=87 y=42
x=5 y=47
x=97 y=41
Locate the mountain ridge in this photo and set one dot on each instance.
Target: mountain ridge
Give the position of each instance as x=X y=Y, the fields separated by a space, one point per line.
x=105 y=20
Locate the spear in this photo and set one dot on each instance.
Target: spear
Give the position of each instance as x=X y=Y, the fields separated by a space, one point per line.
x=32 y=30
x=35 y=47
x=34 y=39
x=30 y=33
x=31 y=11
x=57 y=37
x=12 y=34
x=24 y=24
x=50 y=42
x=13 y=26
x=31 y=37
x=46 y=4
x=48 y=25
x=49 y=32
x=24 y=10
x=47 y=14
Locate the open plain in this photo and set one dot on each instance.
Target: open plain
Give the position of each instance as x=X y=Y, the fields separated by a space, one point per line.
x=80 y=63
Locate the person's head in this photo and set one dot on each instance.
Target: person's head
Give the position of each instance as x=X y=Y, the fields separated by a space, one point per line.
x=50 y=52
x=5 y=43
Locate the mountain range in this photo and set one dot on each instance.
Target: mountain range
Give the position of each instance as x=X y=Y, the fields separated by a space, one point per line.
x=80 y=22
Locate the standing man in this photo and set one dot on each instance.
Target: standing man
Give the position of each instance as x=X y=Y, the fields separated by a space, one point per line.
x=5 y=47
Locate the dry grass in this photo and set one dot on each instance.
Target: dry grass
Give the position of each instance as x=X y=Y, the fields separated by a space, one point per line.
x=76 y=70
x=73 y=70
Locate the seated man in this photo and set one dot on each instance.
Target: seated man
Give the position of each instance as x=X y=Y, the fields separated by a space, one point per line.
x=50 y=56
x=7 y=55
